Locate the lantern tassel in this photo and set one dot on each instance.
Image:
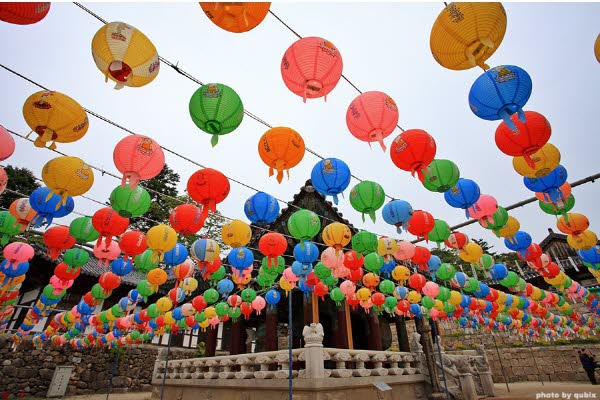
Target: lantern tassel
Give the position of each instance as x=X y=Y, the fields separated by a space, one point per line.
x=372 y=215
x=214 y=140
x=379 y=137
x=529 y=160
x=506 y=118
x=335 y=199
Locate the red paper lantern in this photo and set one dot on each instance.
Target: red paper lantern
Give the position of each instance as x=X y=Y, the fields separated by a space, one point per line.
x=417 y=282
x=210 y=267
x=132 y=243
x=272 y=245
x=199 y=303
x=208 y=187
x=353 y=260
x=550 y=271
x=66 y=273
x=138 y=158
x=356 y=274
x=413 y=150
x=108 y=223
x=456 y=240
x=420 y=224
x=529 y=137
x=109 y=281
x=311 y=67
x=532 y=253
x=321 y=290
x=58 y=239
x=403 y=306
x=23 y=13
x=378 y=299
x=185 y=219
x=353 y=301
x=421 y=256
x=246 y=309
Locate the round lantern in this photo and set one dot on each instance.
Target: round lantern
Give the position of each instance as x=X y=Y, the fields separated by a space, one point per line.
x=528 y=137
x=104 y=254
x=281 y=149
x=584 y=241
x=272 y=245
x=23 y=212
x=483 y=208
x=367 y=197
x=236 y=17
x=132 y=243
x=54 y=117
x=519 y=242
x=572 y=223
x=185 y=219
x=440 y=176
x=129 y=202
x=311 y=67
x=48 y=206
x=208 y=187
x=465 y=35
x=138 y=158
x=372 y=116
x=496 y=221
x=216 y=109
x=544 y=161
x=509 y=229
x=7 y=143
x=82 y=229
x=205 y=251
x=420 y=224
x=336 y=235
x=236 y=233
x=456 y=240
x=463 y=195
x=22 y=13
x=108 y=223
x=421 y=256
x=413 y=150
x=160 y=239
x=67 y=176
x=406 y=251
x=3 y=180
x=58 y=239
x=125 y=55
x=549 y=184
x=330 y=177
x=499 y=93
x=304 y=224
x=261 y=208
x=397 y=213
x=440 y=232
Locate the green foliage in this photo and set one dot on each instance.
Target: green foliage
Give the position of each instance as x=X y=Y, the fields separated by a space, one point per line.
x=21 y=180
x=201 y=348
x=120 y=352
x=517 y=344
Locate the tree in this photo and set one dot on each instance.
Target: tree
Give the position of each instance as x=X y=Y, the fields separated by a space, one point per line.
x=20 y=180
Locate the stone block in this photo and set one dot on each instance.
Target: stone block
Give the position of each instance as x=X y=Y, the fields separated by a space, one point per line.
x=71 y=390
x=26 y=373
x=9 y=370
x=19 y=363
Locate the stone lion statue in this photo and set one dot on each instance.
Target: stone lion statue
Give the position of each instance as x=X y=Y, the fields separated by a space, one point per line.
x=313 y=333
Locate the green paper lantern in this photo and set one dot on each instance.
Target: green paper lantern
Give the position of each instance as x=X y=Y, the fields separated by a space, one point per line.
x=373 y=262
x=386 y=287
x=366 y=198
x=8 y=227
x=390 y=304
x=117 y=311
x=440 y=232
x=130 y=203
x=76 y=257
x=553 y=209
x=144 y=261
x=152 y=311
x=364 y=242
x=82 y=230
x=248 y=295
x=200 y=317
x=471 y=286
x=145 y=288
x=222 y=309
x=48 y=292
x=445 y=272
x=484 y=263
x=211 y=296
x=102 y=317
x=511 y=279
x=304 y=225
x=275 y=268
x=427 y=302
x=216 y=276
x=440 y=176
x=135 y=335
x=444 y=294
x=330 y=281
x=216 y=109
x=496 y=221
x=337 y=296
x=235 y=313
x=321 y=271
x=449 y=308
x=181 y=323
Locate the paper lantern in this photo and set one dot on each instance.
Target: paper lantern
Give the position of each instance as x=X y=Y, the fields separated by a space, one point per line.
x=484 y=208
x=304 y=224
x=405 y=251
x=549 y=184
x=412 y=151
x=105 y=254
x=23 y=212
x=160 y=239
x=8 y=227
x=495 y=221
x=67 y=176
x=457 y=240
x=236 y=17
x=138 y=158
x=511 y=227
x=563 y=195
x=108 y=223
x=82 y=229
x=311 y=67
x=372 y=116
x=17 y=252
x=261 y=208
x=465 y=35
x=463 y=195
x=54 y=117
x=22 y=13
x=281 y=149
x=132 y=243
x=499 y=93
x=216 y=109
x=530 y=136
x=48 y=206
x=420 y=224
x=597 y=48
x=208 y=187
x=129 y=202
x=58 y=239
x=440 y=232
x=440 y=176
x=420 y=257
x=185 y=219
x=573 y=223
x=205 y=251
x=367 y=197
x=125 y=55
x=330 y=177
x=583 y=241
x=520 y=241
x=3 y=180
x=7 y=143
x=236 y=233
x=157 y=277
x=397 y=213
x=544 y=161
x=336 y=235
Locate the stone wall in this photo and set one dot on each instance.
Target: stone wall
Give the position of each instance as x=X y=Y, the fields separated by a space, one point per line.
x=29 y=370
x=545 y=363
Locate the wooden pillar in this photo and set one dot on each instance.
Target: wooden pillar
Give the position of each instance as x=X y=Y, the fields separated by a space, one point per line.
x=402 y=334
x=271 y=330
x=341 y=333
x=315 y=308
x=349 y=337
x=235 y=340
x=211 y=342
x=374 y=340
x=307 y=308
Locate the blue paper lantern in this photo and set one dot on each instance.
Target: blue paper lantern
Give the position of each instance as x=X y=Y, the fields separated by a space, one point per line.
x=500 y=92
x=121 y=267
x=240 y=258
x=176 y=255
x=397 y=213
x=388 y=267
x=300 y=269
x=46 y=204
x=433 y=264
x=225 y=286
x=261 y=208
x=401 y=292
x=484 y=291
x=459 y=280
x=463 y=195
x=549 y=184
x=519 y=242
x=177 y=315
x=330 y=177
x=306 y=252
x=13 y=270
x=272 y=297
x=499 y=271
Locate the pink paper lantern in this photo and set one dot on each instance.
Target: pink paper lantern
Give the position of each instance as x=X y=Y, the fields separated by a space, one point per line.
x=214 y=321
x=348 y=288
x=311 y=67
x=366 y=304
x=187 y=309
x=483 y=208
x=7 y=144
x=59 y=285
x=3 y=180
x=372 y=116
x=332 y=259
x=431 y=289
x=258 y=304
x=17 y=253
x=406 y=251
x=138 y=158
x=289 y=276
x=107 y=254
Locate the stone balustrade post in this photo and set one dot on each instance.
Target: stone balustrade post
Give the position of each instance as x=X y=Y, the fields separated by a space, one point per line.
x=484 y=371
x=314 y=360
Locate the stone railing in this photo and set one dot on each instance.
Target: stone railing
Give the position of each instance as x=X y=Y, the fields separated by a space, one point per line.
x=311 y=362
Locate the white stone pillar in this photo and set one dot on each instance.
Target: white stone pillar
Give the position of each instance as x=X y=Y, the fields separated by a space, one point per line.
x=467 y=386
x=313 y=339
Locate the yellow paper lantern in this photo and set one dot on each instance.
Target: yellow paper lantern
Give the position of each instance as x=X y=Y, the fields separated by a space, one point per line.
x=285 y=285
x=401 y=274
x=597 y=48
x=236 y=17
x=471 y=252
x=455 y=298
x=241 y=280
x=125 y=55
x=584 y=241
x=236 y=233
x=160 y=239
x=536 y=293
x=509 y=229
x=336 y=235
x=204 y=324
x=67 y=176
x=169 y=320
x=189 y=285
x=110 y=316
x=55 y=117
x=465 y=35
x=386 y=247
x=438 y=305
x=363 y=294
x=544 y=161
x=210 y=312
x=413 y=297
x=164 y=304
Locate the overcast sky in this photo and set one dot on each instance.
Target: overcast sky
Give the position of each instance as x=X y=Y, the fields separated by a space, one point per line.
x=384 y=46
